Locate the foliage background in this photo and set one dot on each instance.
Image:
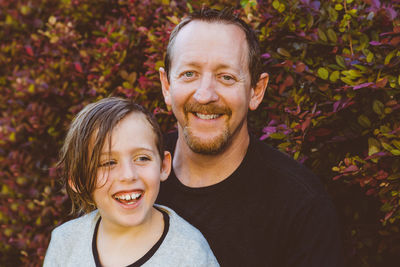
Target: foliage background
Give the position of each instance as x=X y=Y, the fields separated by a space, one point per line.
x=332 y=103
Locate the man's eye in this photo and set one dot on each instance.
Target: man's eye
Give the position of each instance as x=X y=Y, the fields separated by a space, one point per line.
x=227 y=79
x=189 y=74
x=108 y=163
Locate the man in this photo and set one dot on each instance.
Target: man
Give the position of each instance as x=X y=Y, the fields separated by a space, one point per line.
x=255 y=205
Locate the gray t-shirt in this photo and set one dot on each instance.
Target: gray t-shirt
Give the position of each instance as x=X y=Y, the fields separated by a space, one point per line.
x=183 y=245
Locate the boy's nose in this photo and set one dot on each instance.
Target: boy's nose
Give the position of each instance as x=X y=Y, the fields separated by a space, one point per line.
x=206 y=93
x=128 y=172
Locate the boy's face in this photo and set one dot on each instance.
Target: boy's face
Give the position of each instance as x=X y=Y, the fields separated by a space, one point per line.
x=128 y=177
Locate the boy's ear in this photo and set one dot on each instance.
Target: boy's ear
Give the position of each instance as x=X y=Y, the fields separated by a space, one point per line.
x=165 y=86
x=166 y=166
x=257 y=93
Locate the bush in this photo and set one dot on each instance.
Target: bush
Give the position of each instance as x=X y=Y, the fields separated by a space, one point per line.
x=332 y=102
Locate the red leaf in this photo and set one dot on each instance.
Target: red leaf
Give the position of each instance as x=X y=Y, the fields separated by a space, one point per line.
x=305 y=124
x=29 y=50
x=78 y=67
x=300 y=67
x=351 y=168
x=381 y=83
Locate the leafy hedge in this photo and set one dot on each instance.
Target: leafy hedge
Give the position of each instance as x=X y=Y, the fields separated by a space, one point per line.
x=332 y=103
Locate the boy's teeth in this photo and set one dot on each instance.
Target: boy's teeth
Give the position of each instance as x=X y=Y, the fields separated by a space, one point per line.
x=128 y=196
x=207 y=116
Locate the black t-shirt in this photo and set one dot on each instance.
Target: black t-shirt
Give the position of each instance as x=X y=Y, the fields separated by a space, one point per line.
x=270 y=212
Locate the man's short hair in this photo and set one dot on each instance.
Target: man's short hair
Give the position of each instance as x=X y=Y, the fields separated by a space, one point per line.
x=80 y=154
x=221 y=16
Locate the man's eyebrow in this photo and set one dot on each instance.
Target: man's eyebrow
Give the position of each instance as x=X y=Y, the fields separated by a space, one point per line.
x=198 y=65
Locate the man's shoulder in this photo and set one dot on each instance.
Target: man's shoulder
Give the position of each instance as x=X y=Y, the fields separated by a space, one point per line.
x=181 y=230
x=184 y=243
x=280 y=170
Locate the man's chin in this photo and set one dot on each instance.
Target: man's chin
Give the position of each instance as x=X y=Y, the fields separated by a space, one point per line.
x=207 y=145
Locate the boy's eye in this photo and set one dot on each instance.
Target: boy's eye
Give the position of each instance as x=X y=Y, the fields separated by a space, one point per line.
x=108 y=163
x=142 y=159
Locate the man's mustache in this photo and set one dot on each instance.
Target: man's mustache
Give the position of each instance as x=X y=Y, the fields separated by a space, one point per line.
x=210 y=108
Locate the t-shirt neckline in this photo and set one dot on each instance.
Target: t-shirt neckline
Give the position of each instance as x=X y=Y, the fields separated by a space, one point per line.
x=146 y=256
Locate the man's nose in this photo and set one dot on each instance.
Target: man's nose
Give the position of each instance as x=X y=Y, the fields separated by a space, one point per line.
x=206 y=91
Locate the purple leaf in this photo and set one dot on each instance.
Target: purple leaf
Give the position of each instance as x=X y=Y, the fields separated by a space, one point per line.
x=266 y=55
x=336 y=105
x=269 y=129
x=376 y=4
x=391 y=13
x=375 y=43
x=315 y=5
x=356 y=87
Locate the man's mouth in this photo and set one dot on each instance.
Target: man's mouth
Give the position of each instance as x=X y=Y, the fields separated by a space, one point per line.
x=128 y=198
x=207 y=116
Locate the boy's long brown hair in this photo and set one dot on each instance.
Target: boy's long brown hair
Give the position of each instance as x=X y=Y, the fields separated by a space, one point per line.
x=78 y=162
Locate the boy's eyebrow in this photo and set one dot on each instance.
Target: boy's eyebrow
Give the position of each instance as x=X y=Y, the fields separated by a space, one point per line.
x=136 y=149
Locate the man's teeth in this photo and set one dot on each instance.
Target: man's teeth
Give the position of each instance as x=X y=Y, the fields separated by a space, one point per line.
x=128 y=196
x=207 y=116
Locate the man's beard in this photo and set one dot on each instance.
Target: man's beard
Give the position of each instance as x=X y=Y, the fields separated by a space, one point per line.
x=218 y=143
x=211 y=147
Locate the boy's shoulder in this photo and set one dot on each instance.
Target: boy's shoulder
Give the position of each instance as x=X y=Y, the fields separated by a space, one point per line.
x=77 y=227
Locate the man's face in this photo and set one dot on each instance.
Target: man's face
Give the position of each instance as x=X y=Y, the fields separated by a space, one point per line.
x=209 y=86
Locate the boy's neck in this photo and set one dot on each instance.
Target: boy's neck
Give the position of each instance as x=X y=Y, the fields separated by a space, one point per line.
x=122 y=246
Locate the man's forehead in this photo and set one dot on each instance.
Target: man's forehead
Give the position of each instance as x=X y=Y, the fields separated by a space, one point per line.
x=222 y=39
x=191 y=29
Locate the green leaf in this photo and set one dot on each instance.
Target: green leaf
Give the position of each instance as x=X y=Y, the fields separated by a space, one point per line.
x=394 y=176
x=333 y=15
x=276 y=4
x=364 y=121
x=334 y=76
x=396 y=143
x=338 y=7
x=373 y=146
x=332 y=35
x=395 y=152
x=389 y=57
x=386 y=146
x=283 y=52
x=323 y=73
x=322 y=35
x=277 y=136
x=378 y=107
x=340 y=61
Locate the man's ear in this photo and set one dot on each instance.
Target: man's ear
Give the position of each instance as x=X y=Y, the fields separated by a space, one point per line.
x=257 y=93
x=165 y=86
x=166 y=166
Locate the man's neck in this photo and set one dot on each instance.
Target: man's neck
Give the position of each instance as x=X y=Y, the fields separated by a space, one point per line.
x=199 y=170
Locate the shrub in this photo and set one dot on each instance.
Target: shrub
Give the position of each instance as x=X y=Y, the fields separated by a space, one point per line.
x=332 y=102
